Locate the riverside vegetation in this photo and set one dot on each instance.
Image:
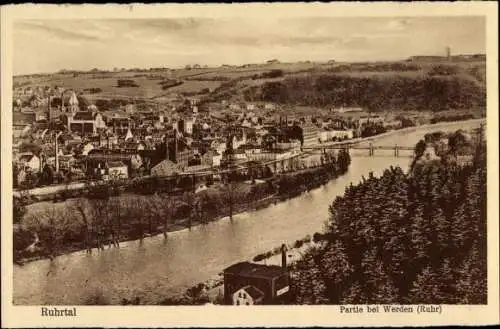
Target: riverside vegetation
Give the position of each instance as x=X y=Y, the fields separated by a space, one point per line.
x=105 y=216
x=405 y=238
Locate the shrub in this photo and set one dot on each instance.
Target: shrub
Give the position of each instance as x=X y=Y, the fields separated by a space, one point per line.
x=298 y=244
x=126 y=83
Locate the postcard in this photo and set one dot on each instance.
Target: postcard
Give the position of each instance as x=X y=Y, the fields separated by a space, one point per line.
x=264 y=164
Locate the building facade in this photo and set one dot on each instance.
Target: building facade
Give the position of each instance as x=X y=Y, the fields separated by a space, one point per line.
x=272 y=281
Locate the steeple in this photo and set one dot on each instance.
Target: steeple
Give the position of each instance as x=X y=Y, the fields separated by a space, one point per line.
x=129 y=135
x=73 y=103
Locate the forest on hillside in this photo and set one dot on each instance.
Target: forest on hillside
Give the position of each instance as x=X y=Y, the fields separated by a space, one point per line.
x=404 y=238
x=436 y=91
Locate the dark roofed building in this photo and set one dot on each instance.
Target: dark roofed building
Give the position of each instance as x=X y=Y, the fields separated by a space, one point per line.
x=255 y=270
x=84 y=116
x=82 y=122
x=273 y=281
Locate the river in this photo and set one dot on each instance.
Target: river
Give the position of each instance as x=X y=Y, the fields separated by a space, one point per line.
x=158 y=267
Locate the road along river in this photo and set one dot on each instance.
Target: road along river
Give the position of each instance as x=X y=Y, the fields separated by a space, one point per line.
x=158 y=267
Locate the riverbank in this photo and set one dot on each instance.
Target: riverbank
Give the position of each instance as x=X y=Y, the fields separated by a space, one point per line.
x=175 y=224
x=97 y=224
x=433 y=126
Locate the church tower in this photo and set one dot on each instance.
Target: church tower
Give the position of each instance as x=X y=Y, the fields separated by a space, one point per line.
x=73 y=103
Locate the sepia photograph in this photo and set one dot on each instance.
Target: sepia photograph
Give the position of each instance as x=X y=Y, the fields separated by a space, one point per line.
x=196 y=160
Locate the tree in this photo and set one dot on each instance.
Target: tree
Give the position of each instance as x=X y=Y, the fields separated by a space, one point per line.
x=426 y=289
x=161 y=207
x=47 y=176
x=18 y=209
x=457 y=142
x=83 y=102
x=86 y=226
x=471 y=286
x=308 y=285
x=51 y=226
x=336 y=269
x=189 y=198
x=353 y=295
x=136 y=214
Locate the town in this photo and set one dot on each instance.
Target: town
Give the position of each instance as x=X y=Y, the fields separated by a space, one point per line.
x=60 y=137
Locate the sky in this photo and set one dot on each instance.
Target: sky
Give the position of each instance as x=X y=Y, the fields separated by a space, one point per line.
x=52 y=45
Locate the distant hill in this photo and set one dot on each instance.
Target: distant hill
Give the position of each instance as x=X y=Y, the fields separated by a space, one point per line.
x=422 y=83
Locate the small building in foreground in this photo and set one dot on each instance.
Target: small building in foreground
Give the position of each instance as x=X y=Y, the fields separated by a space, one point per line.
x=252 y=283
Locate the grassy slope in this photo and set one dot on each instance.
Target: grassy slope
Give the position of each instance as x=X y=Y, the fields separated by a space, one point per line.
x=194 y=80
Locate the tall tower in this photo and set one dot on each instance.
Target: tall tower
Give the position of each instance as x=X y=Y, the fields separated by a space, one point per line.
x=73 y=103
x=448 y=53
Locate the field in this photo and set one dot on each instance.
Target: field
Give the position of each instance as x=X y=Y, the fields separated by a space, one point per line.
x=297 y=83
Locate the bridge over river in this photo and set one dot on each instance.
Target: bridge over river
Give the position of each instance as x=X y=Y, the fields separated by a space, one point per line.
x=355 y=146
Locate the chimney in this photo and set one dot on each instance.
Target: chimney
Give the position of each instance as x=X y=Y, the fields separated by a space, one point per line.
x=49 y=109
x=166 y=148
x=57 y=152
x=175 y=145
x=283 y=256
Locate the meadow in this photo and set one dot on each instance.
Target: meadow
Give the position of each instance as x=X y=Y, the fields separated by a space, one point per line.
x=302 y=83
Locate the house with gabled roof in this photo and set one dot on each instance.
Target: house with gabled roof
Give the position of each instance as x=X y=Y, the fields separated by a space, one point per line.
x=165 y=168
x=30 y=162
x=248 y=295
x=271 y=284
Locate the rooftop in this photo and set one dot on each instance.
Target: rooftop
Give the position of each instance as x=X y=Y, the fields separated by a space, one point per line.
x=255 y=270
x=253 y=292
x=26 y=157
x=87 y=116
x=115 y=164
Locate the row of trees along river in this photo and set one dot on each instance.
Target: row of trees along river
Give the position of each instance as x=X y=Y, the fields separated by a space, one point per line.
x=404 y=238
x=105 y=216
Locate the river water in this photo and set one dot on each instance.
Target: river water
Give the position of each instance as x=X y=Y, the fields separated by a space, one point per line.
x=158 y=267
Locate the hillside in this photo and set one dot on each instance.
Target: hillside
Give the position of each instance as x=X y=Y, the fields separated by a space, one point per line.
x=404 y=85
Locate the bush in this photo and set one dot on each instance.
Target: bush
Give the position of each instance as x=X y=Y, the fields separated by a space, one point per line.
x=93 y=90
x=166 y=84
x=444 y=70
x=298 y=244
x=449 y=118
x=405 y=122
x=126 y=83
x=272 y=74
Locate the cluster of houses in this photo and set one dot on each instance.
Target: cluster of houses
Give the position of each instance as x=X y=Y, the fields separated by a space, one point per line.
x=88 y=142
